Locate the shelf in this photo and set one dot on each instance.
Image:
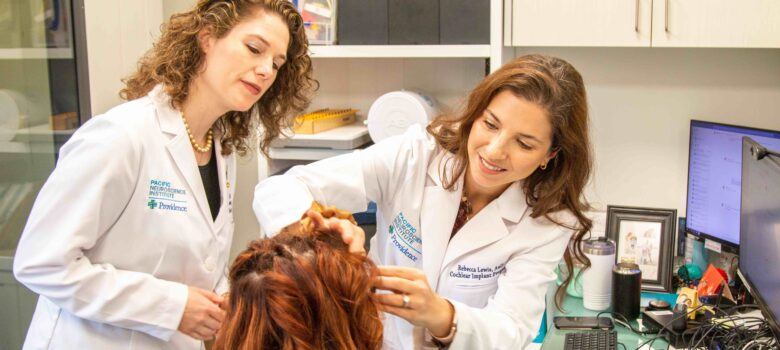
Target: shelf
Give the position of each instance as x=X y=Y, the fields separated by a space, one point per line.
x=35 y=53
x=334 y=142
x=291 y=153
x=399 y=51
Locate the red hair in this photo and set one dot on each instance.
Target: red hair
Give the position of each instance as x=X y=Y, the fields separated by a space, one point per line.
x=301 y=291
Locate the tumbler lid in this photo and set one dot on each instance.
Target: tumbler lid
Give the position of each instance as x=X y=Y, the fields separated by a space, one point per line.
x=626 y=268
x=599 y=246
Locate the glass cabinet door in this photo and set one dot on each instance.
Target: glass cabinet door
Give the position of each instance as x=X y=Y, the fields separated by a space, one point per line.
x=39 y=110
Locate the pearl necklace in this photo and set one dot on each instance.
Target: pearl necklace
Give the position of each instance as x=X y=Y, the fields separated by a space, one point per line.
x=195 y=145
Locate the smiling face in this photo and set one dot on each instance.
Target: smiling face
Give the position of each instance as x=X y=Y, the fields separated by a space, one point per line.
x=241 y=66
x=508 y=142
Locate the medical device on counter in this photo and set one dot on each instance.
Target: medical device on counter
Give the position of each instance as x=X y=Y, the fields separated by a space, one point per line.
x=393 y=113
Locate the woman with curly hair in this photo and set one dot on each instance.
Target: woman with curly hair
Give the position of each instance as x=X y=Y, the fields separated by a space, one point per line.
x=302 y=289
x=128 y=241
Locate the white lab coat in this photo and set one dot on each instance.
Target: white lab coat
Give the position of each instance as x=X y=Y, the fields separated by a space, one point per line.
x=120 y=229
x=495 y=271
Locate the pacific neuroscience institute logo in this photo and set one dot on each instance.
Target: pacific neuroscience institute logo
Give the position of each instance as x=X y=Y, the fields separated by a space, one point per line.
x=163 y=196
x=405 y=238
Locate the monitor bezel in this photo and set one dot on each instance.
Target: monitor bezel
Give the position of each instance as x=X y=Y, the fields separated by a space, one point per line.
x=726 y=246
x=768 y=315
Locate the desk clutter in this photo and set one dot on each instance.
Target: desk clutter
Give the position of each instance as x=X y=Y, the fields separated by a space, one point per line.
x=721 y=290
x=696 y=316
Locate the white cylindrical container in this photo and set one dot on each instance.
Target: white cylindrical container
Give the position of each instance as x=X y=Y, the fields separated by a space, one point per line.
x=392 y=113
x=597 y=279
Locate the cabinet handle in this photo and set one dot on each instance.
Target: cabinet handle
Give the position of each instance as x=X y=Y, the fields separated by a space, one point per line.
x=666 y=16
x=636 y=17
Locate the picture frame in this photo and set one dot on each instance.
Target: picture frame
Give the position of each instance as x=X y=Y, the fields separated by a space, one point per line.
x=645 y=236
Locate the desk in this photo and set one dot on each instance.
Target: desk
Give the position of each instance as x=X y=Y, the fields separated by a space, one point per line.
x=573 y=307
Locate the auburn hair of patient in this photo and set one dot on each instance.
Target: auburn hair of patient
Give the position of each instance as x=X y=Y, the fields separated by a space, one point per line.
x=301 y=291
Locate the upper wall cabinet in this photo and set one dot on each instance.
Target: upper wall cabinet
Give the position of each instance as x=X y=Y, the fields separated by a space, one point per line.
x=674 y=23
x=581 y=23
x=716 y=23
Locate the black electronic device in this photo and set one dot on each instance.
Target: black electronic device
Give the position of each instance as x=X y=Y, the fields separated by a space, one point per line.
x=759 y=239
x=591 y=340
x=655 y=321
x=582 y=322
x=714 y=177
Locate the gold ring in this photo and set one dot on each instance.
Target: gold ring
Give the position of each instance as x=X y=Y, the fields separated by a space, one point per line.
x=406 y=300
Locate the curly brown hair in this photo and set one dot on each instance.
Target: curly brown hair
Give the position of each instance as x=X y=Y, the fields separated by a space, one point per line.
x=301 y=289
x=558 y=88
x=176 y=58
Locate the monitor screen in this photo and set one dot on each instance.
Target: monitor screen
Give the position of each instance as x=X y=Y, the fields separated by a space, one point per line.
x=714 y=178
x=759 y=243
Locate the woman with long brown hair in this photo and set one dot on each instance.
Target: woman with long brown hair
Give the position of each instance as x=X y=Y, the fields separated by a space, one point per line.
x=128 y=241
x=299 y=290
x=473 y=214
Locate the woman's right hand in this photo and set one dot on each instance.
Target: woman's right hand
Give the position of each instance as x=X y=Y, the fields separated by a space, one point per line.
x=202 y=315
x=352 y=235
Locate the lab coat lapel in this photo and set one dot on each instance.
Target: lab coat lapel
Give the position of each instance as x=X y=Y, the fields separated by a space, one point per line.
x=437 y=216
x=180 y=150
x=226 y=183
x=489 y=224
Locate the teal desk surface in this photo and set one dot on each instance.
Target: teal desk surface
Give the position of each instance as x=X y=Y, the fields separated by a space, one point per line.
x=573 y=307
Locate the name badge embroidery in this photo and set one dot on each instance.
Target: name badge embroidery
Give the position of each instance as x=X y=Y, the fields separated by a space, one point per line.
x=163 y=196
x=477 y=273
x=403 y=236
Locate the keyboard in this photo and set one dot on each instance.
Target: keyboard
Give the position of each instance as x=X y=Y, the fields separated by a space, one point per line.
x=591 y=340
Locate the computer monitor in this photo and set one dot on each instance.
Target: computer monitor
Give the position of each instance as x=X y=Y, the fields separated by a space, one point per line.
x=759 y=241
x=714 y=177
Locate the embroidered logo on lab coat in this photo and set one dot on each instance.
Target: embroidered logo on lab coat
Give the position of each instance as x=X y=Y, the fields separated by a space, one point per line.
x=163 y=196
x=404 y=238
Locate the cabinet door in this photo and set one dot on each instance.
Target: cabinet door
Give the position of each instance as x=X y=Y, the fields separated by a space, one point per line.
x=581 y=23
x=716 y=23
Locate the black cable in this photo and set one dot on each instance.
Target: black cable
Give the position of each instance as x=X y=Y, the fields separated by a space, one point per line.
x=623 y=322
x=623 y=345
x=731 y=332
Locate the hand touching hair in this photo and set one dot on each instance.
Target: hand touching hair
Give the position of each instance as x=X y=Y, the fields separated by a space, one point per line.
x=301 y=289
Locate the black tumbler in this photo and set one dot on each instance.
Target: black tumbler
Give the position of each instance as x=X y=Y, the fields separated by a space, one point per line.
x=626 y=290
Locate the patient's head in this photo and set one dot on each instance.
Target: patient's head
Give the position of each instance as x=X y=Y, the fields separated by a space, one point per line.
x=301 y=290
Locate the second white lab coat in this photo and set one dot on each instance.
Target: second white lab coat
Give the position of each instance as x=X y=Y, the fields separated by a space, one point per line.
x=120 y=229
x=495 y=271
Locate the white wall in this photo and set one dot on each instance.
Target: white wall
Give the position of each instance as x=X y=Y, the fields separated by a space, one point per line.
x=641 y=102
x=118 y=32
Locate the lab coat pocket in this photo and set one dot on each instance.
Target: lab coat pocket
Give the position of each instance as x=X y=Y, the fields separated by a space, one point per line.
x=475 y=294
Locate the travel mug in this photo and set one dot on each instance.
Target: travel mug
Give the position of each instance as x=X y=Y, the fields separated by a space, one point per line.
x=626 y=290
x=597 y=279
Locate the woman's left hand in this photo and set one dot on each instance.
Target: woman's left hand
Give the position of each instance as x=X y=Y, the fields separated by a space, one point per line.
x=423 y=307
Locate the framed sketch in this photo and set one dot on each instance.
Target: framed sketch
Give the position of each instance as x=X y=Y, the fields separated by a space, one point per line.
x=645 y=236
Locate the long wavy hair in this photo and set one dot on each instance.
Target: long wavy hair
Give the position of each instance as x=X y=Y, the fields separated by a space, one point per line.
x=301 y=290
x=176 y=58
x=558 y=88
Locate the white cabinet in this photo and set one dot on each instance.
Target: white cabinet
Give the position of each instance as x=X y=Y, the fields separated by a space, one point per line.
x=716 y=23
x=645 y=23
x=581 y=23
